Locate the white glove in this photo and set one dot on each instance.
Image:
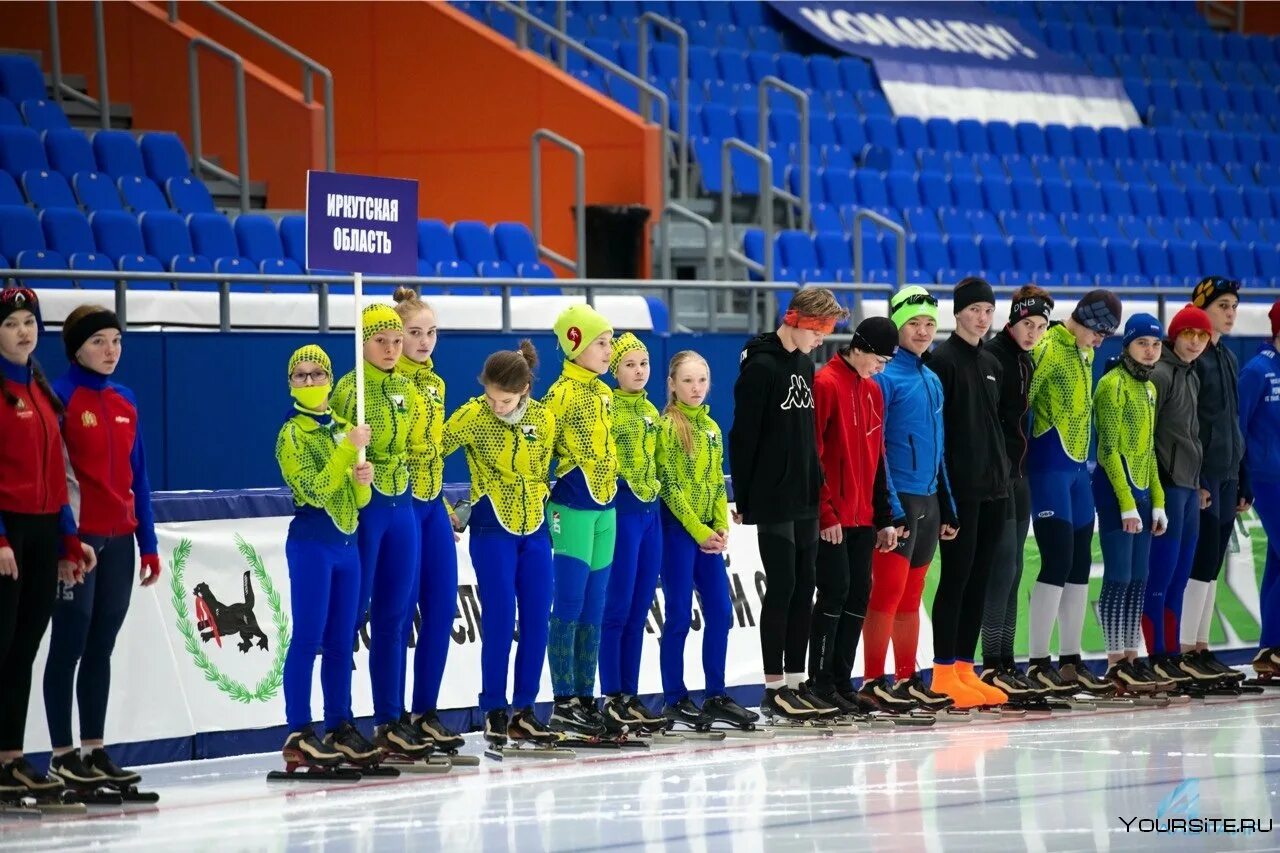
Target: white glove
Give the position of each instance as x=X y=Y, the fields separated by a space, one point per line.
x=1159 y=520
x=1132 y=514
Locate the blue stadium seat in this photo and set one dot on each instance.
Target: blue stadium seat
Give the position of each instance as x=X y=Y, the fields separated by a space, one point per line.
x=1201 y=202
x=1057 y=196
x=1173 y=202
x=912 y=134
x=194 y=264
x=9 y=192
x=1093 y=256
x=1124 y=258
x=856 y=73
x=48 y=189
x=998 y=195
x=1230 y=202
x=1087 y=143
x=931 y=251
x=92 y=261
x=258 y=238
x=95 y=191
x=964 y=253
x=943 y=135
x=833 y=251
x=997 y=256
x=871 y=189
x=165 y=236
x=1152 y=258
x=973 y=137
x=935 y=192
x=1197 y=147
x=1088 y=197
x=1028 y=255
x=495 y=269
x=761 y=64
x=1031 y=138
x=43 y=259
x=213 y=237
x=902 y=190
x=1144 y=200
x=20 y=78
x=9 y=115
x=116 y=234
x=435 y=243
x=69 y=152
x=1059 y=141
x=1061 y=255
x=1257 y=203
x=21 y=151
x=1241 y=262
x=19 y=230
x=141 y=194
x=474 y=242
x=189 y=195
x=293 y=236
x=1115 y=143
x=1028 y=196
x=1002 y=138
x=164 y=157
x=143 y=263
x=983 y=223
x=1268 y=262
x=117 y=154
x=40 y=114
x=1182 y=258
x=67 y=232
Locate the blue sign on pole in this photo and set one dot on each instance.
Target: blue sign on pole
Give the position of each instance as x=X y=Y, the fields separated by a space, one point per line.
x=362 y=223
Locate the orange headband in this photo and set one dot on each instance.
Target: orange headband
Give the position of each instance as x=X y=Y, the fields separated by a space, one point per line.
x=813 y=323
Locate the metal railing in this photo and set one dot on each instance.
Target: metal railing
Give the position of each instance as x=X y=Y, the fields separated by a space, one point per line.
x=309 y=67
x=1225 y=14
x=578 y=265
x=682 y=87
x=242 y=119
x=709 y=258
x=60 y=89
x=883 y=224
x=728 y=249
x=801 y=98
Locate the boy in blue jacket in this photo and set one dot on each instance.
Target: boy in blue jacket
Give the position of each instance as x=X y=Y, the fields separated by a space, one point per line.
x=1260 y=423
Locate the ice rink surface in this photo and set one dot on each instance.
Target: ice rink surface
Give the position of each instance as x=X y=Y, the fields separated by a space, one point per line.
x=1068 y=782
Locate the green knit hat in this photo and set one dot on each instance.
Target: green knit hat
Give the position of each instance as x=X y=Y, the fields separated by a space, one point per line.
x=911 y=302
x=622 y=345
x=577 y=326
x=310 y=352
x=379 y=318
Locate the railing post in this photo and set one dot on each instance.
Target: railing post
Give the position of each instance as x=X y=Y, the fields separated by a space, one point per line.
x=884 y=224
x=682 y=86
x=55 y=50
x=802 y=99
x=242 y=119
x=579 y=264
x=100 y=41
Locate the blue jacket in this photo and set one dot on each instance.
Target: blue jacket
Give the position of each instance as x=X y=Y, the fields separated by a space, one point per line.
x=913 y=431
x=1260 y=414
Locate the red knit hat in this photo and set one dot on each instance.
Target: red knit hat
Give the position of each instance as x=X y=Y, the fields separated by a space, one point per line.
x=1190 y=317
x=1274 y=314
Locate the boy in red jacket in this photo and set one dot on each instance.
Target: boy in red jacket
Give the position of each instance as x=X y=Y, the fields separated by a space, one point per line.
x=856 y=509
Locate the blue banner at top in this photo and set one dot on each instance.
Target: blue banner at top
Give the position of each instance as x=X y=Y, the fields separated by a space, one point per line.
x=927 y=33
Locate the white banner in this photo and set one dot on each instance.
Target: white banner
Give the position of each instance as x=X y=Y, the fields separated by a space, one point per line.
x=173 y=676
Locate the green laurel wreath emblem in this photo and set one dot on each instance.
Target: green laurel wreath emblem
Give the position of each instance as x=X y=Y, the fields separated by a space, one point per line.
x=269 y=683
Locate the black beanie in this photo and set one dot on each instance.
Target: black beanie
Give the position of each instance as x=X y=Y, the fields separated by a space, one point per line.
x=20 y=299
x=877 y=336
x=75 y=334
x=971 y=290
x=1098 y=311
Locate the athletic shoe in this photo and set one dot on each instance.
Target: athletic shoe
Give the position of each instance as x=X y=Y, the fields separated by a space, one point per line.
x=612 y=728
x=1264 y=662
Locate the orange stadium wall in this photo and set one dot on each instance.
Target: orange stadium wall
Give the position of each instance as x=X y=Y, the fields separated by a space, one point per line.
x=423 y=91
x=1262 y=16
x=147 y=68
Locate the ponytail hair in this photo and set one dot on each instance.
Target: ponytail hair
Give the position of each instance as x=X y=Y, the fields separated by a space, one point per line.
x=408 y=302
x=511 y=370
x=37 y=375
x=684 y=429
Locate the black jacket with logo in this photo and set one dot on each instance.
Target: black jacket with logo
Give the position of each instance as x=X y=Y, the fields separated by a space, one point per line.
x=773 y=454
x=1219 y=411
x=977 y=464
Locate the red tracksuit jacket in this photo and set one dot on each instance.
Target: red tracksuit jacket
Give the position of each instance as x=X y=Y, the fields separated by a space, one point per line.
x=850 y=422
x=33 y=477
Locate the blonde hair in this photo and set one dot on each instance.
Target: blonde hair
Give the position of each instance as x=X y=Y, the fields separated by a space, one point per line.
x=818 y=302
x=409 y=303
x=511 y=370
x=684 y=429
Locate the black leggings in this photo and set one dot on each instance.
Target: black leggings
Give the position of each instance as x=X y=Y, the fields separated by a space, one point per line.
x=787 y=551
x=86 y=620
x=25 y=607
x=844 y=585
x=962 y=583
x=1216 y=523
x=1000 y=612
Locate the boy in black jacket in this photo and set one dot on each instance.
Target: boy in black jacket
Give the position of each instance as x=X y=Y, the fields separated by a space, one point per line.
x=773 y=459
x=979 y=470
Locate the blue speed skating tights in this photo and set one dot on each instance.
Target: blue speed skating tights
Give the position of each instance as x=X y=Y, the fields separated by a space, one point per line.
x=1171 y=558
x=1266 y=501
x=388 y=541
x=1062 y=514
x=1125 y=557
x=632 y=580
x=512 y=572
x=437 y=601
x=324 y=583
x=86 y=619
x=686 y=568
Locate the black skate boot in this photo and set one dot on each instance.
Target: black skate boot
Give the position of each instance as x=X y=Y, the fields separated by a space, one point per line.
x=87 y=785
x=647 y=719
x=620 y=713
x=612 y=728
x=307 y=758
x=827 y=712
x=1074 y=671
x=1046 y=675
x=741 y=722
x=783 y=708
x=1127 y=680
x=1209 y=659
x=401 y=742
x=1006 y=680
x=845 y=705
x=441 y=737
x=525 y=726
x=686 y=714
x=571 y=718
x=99 y=760
x=880 y=694
x=914 y=690
x=1166 y=669
x=1190 y=664
x=25 y=790
x=495 y=727
x=352 y=746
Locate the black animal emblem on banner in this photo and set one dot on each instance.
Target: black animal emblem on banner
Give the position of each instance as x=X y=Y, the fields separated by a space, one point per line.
x=214 y=619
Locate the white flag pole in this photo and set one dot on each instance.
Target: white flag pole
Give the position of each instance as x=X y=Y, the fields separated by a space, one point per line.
x=358 y=290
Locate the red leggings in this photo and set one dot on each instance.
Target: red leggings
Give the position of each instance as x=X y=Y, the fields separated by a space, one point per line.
x=894 y=610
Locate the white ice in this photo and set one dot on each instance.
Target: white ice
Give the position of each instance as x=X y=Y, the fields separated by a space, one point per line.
x=1063 y=783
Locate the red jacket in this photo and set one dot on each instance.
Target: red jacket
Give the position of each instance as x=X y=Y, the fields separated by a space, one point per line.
x=104 y=441
x=850 y=422
x=33 y=477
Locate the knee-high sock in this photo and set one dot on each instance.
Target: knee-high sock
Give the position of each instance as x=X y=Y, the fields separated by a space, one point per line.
x=570 y=591
x=1134 y=595
x=1192 y=610
x=1112 y=613
x=888 y=580
x=1045 y=599
x=586 y=644
x=1206 y=615
x=1071 y=612
x=906 y=624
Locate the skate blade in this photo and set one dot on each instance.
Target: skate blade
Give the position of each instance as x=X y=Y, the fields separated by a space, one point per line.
x=1263 y=683
x=590 y=743
x=503 y=753
x=1113 y=701
x=745 y=734
x=432 y=765
x=954 y=716
x=914 y=720
x=806 y=729
x=463 y=760
x=98 y=799
x=689 y=735
x=320 y=774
